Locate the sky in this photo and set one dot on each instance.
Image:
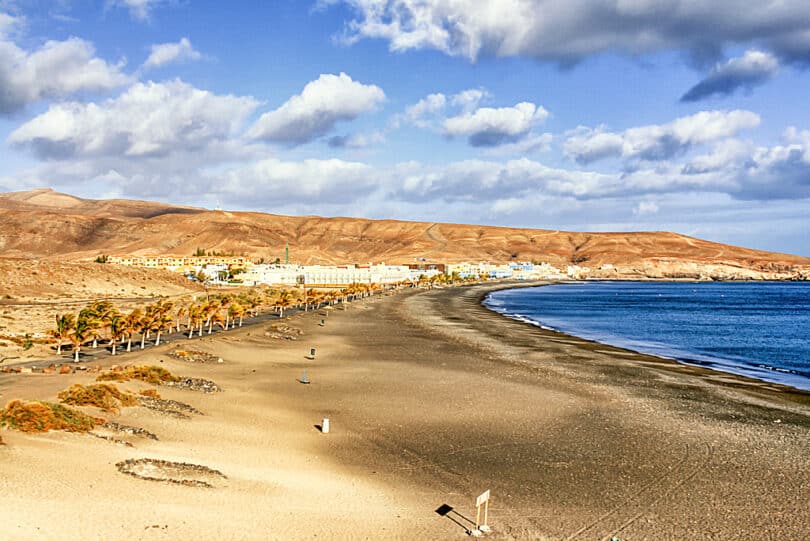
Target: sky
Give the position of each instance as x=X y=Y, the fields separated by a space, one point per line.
x=582 y=115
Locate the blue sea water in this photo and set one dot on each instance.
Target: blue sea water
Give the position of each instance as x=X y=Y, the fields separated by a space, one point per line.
x=757 y=329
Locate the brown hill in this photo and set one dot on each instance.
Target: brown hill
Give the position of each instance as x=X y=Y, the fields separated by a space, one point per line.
x=46 y=224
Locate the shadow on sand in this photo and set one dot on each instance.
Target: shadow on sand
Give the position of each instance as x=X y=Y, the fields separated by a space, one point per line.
x=447 y=511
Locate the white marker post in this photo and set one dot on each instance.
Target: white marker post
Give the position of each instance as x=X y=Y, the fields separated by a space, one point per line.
x=483 y=499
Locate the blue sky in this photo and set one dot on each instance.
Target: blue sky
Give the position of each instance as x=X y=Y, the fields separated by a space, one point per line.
x=598 y=115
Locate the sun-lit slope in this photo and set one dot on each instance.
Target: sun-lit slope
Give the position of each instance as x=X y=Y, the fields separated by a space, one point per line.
x=47 y=224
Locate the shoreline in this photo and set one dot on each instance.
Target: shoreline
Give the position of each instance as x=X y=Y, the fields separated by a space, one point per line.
x=716 y=364
x=433 y=399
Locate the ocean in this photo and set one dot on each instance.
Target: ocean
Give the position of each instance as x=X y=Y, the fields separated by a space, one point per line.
x=757 y=329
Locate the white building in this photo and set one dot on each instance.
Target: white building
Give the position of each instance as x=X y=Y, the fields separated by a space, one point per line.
x=324 y=275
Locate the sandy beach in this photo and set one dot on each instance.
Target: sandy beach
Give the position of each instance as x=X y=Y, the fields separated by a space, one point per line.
x=432 y=399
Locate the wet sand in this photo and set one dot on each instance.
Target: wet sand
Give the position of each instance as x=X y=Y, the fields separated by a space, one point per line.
x=432 y=399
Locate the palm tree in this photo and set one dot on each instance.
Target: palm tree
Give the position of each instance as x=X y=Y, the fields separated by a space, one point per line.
x=163 y=318
x=181 y=311
x=99 y=313
x=285 y=300
x=163 y=321
x=118 y=324
x=92 y=322
x=148 y=322
x=223 y=305
x=81 y=331
x=220 y=318
x=132 y=324
x=236 y=310
x=211 y=308
x=194 y=316
x=64 y=326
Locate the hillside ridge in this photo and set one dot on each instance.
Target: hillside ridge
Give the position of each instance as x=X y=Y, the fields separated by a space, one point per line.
x=48 y=224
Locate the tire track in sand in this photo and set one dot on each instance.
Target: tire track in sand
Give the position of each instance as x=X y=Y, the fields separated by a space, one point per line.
x=630 y=510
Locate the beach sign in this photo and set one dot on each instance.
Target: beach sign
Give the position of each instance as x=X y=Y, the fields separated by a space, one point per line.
x=482 y=500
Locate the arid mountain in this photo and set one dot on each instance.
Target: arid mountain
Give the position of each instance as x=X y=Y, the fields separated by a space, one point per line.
x=46 y=224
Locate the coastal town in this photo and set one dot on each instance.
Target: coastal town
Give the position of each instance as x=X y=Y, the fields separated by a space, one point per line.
x=246 y=271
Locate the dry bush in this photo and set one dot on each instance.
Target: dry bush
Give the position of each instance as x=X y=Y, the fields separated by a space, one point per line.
x=150 y=374
x=151 y=393
x=105 y=396
x=45 y=416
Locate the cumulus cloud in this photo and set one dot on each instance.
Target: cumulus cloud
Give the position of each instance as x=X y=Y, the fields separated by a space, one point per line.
x=644 y=208
x=149 y=119
x=752 y=69
x=282 y=182
x=8 y=24
x=432 y=107
x=313 y=113
x=356 y=140
x=166 y=53
x=778 y=172
x=529 y=145
x=569 y=31
x=55 y=70
x=657 y=142
x=138 y=9
x=426 y=107
x=486 y=127
x=480 y=180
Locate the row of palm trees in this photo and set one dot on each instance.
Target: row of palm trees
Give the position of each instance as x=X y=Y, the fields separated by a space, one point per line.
x=101 y=321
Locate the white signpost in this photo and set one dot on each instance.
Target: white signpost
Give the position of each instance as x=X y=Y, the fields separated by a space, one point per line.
x=483 y=499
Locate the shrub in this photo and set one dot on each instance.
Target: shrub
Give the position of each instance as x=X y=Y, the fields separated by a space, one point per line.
x=45 y=416
x=151 y=393
x=104 y=396
x=150 y=374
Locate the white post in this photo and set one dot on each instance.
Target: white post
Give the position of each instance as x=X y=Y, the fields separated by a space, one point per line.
x=325 y=426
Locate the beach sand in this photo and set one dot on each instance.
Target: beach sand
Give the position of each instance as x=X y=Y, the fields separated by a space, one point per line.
x=432 y=399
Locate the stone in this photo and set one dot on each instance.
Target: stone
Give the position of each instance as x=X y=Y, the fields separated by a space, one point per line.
x=65 y=369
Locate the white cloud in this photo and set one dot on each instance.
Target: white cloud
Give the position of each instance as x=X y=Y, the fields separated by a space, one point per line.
x=313 y=113
x=657 y=142
x=357 y=140
x=644 y=208
x=469 y=99
x=56 y=70
x=752 y=69
x=138 y=9
x=491 y=127
x=428 y=106
x=431 y=108
x=778 y=172
x=165 y=53
x=282 y=182
x=569 y=31
x=529 y=145
x=722 y=154
x=149 y=119
x=8 y=24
